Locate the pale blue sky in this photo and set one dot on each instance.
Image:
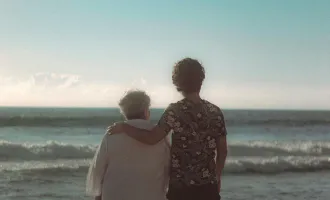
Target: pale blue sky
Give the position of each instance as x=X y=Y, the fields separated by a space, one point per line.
x=257 y=53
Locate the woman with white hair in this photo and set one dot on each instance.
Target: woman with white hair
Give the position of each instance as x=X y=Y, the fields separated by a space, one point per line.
x=124 y=168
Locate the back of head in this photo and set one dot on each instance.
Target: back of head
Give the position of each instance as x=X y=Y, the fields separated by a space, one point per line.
x=188 y=76
x=135 y=104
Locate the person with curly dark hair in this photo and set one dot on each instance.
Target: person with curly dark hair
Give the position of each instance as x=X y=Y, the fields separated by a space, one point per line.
x=199 y=146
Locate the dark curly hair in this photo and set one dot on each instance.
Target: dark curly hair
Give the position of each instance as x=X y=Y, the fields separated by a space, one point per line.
x=188 y=75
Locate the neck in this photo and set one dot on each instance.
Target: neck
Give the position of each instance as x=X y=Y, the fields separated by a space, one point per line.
x=194 y=97
x=136 y=118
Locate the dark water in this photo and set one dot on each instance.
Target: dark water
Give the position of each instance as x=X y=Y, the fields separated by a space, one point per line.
x=87 y=117
x=45 y=152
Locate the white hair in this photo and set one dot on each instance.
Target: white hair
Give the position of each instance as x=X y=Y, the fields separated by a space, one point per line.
x=134 y=103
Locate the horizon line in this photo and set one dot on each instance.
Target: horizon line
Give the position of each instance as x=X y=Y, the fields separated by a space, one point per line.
x=223 y=108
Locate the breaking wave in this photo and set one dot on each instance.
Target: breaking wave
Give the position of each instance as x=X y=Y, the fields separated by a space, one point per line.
x=53 y=150
x=49 y=151
x=273 y=165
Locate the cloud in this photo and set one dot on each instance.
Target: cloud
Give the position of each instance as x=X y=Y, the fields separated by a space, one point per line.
x=274 y=96
x=55 y=80
x=51 y=89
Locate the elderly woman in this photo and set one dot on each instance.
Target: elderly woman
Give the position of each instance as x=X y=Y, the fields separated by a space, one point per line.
x=124 y=168
x=198 y=137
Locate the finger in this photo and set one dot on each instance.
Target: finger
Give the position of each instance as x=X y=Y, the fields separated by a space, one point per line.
x=110 y=128
x=109 y=131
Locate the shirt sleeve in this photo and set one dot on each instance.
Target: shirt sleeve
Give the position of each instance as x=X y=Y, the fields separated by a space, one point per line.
x=168 y=119
x=97 y=169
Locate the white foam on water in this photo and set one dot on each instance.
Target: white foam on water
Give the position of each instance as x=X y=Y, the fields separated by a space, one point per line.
x=52 y=150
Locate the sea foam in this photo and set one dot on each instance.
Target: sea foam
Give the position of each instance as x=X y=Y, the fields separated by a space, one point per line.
x=273 y=165
x=53 y=150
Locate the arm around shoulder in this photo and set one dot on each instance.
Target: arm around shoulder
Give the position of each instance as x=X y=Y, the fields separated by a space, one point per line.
x=150 y=137
x=159 y=132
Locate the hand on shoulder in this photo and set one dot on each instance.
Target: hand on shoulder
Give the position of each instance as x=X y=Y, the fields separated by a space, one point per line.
x=116 y=128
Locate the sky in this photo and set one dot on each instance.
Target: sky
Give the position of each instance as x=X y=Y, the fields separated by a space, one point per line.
x=258 y=54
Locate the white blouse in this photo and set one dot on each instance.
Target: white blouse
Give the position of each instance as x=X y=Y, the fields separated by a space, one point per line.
x=125 y=169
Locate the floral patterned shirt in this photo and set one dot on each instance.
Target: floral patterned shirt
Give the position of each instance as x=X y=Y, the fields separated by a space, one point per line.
x=195 y=128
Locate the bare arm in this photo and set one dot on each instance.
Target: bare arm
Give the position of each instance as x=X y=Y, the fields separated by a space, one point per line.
x=159 y=132
x=146 y=136
x=221 y=154
x=221 y=146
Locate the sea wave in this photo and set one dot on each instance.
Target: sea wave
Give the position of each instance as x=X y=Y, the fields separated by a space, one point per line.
x=277 y=164
x=273 y=165
x=53 y=150
x=54 y=167
x=103 y=121
x=49 y=151
x=279 y=148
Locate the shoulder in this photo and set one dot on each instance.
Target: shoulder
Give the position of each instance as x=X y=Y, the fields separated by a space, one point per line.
x=178 y=103
x=174 y=106
x=113 y=138
x=212 y=108
x=116 y=142
x=106 y=136
x=181 y=105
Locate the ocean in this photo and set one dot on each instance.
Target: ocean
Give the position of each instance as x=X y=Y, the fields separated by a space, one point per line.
x=273 y=154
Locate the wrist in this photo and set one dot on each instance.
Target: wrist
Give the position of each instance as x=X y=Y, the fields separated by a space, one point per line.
x=126 y=127
x=219 y=173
